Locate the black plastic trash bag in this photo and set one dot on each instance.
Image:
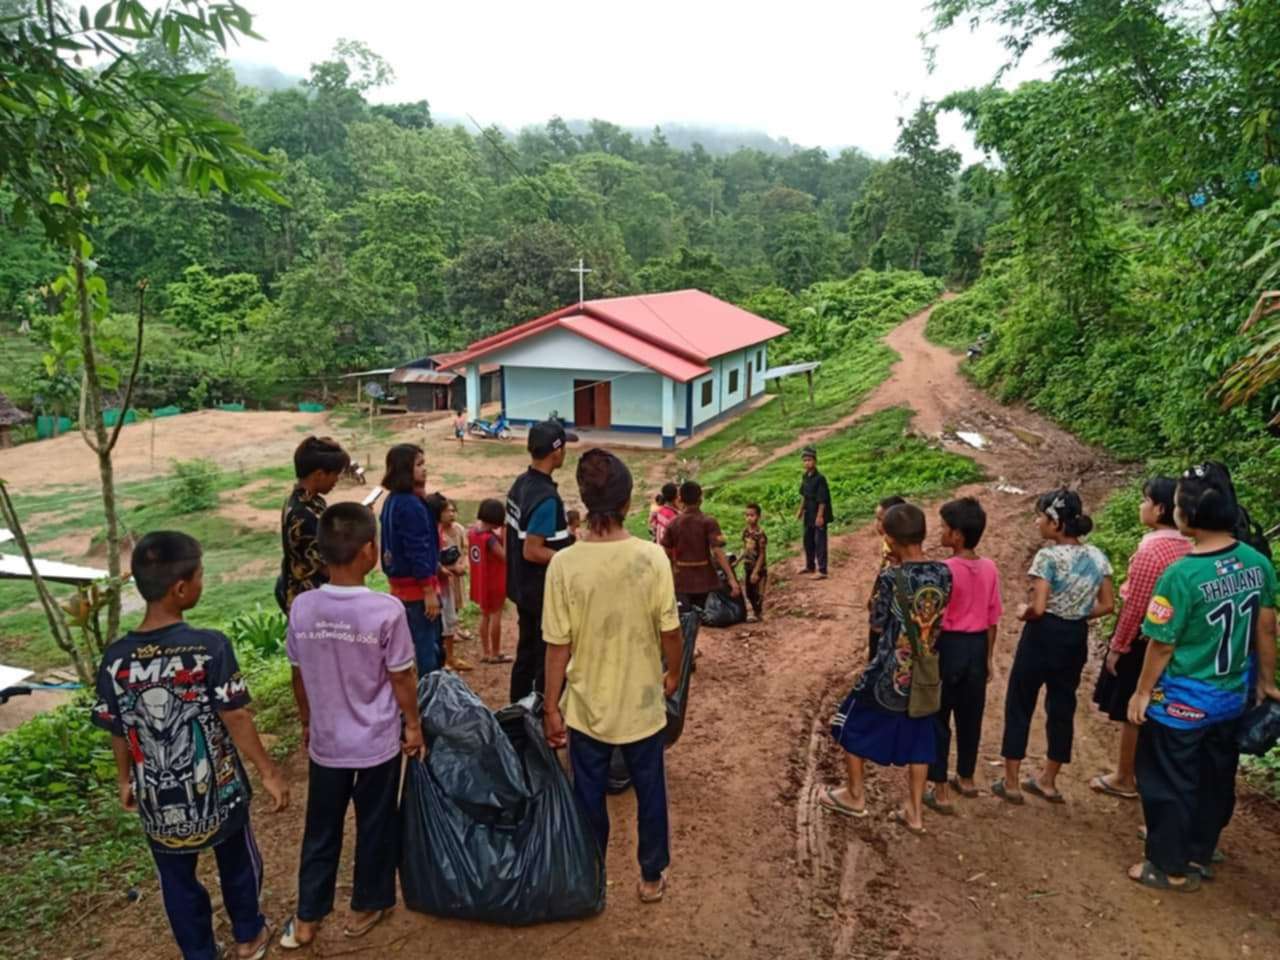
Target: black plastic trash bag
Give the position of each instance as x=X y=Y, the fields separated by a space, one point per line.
x=723 y=610
x=1259 y=729
x=490 y=827
x=677 y=703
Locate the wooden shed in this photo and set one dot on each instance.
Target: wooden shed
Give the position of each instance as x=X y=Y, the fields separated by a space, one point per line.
x=428 y=384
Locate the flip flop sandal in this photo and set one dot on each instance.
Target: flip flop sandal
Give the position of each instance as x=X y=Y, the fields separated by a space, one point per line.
x=1152 y=876
x=356 y=932
x=1206 y=873
x=897 y=817
x=1004 y=793
x=262 y=949
x=1219 y=856
x=504 y=658
x=1032 y=786
x=1100 y=784
x=934 y=804
x=289 y=936
x=968 y=794
x=827 y=800
x=657 y=895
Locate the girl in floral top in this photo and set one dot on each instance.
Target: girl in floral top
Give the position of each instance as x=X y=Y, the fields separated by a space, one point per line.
x=1118 y=678
x=1070 y=585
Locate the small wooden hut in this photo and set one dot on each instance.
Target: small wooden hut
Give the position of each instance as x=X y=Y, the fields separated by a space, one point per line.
x=10 y=417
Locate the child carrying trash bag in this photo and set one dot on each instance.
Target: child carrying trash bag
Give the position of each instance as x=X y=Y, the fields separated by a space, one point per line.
x=608 y=619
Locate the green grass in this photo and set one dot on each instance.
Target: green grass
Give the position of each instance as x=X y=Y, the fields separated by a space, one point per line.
x=840 y=384
x=68 y=844
x=863 y=463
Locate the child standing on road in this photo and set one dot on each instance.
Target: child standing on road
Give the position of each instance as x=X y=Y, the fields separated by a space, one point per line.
x=411 y=552
x=964 y=650
x=668 y=511
x=696 y=547
x=1118 y=678
x=353 y=681
x=872 y=722
x=1070 y=585
x=453 y=567
x=1211 y=623
x=318 y=464
x=174 y=702
x=488 y=559
x=755 y=544
x=886 y=561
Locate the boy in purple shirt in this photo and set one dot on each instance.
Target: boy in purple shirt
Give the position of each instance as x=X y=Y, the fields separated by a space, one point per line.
x=353 y=658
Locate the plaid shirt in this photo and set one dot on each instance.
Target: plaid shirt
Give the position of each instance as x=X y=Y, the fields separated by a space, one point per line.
x=1155 y=553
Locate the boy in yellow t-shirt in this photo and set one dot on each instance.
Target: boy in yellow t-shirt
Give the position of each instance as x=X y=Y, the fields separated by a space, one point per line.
x=609 y=617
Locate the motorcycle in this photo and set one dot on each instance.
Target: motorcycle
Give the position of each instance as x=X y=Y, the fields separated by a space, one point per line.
x=490 y=429
x=976 y=348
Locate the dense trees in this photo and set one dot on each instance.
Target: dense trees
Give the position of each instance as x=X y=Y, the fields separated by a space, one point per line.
x=1144 y=188
x=402 y=236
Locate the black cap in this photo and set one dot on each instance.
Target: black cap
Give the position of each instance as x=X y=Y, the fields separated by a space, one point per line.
x=809 y=453
x=547 y=437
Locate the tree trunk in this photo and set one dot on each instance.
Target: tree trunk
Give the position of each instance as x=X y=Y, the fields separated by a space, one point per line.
x=91 y=410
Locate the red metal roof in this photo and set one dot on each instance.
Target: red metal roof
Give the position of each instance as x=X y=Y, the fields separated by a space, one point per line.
x=677 y=334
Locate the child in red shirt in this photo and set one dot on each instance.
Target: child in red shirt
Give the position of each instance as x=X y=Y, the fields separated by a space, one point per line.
x=489 y=576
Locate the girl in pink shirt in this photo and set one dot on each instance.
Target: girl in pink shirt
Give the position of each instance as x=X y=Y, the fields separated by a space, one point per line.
x=964 y=651
x=1118 y=678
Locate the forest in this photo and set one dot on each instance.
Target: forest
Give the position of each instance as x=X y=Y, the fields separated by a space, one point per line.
x=174 y=237
x=400 y=237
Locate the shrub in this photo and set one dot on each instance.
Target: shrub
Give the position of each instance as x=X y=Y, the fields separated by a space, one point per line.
x=193 y=486
x=259 y=630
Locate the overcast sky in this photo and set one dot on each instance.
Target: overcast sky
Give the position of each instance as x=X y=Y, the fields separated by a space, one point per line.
x=831 y=73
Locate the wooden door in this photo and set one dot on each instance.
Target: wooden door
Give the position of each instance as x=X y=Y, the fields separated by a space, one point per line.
x=584 y=403
x=603 y=405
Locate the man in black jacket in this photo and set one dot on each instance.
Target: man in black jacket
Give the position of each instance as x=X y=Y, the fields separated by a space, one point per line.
x=815 y=511
x=536 y=528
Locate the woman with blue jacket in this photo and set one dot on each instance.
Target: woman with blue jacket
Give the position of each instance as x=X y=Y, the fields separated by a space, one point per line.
x=411 y=552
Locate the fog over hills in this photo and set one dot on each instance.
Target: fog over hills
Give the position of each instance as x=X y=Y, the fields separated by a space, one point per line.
x=715 y=139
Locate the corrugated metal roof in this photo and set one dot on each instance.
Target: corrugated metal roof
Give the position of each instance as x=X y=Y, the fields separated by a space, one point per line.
x=675 y=333
x=420 y=375
x=773 y=373
x=15 y=568
x=633 y=348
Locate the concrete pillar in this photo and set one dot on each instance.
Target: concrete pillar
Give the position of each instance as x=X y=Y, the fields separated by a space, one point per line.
x=473 y=391
x=668 y=413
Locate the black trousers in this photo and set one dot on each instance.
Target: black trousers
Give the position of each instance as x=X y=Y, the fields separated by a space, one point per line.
x=962 y=660
x=1051 y=654
x=1187 y=781
x=529 y=671
x=815 y=548
x=755 y=591
x=329 y=791
x=645 y=762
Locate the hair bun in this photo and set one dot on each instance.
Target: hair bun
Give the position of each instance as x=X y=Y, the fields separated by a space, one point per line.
x=1084 y=524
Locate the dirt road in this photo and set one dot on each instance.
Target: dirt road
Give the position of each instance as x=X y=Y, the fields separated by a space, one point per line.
x=759 y=871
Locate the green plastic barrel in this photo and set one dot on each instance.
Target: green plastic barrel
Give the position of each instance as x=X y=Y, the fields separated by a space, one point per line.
x=311 y=408
x=166 y=411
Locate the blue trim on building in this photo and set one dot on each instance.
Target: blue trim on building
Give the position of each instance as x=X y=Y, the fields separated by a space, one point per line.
x=502 y=371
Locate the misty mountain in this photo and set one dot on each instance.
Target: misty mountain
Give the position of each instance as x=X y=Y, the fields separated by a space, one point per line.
x=682 y=136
